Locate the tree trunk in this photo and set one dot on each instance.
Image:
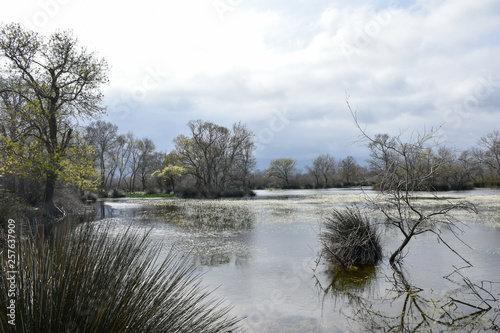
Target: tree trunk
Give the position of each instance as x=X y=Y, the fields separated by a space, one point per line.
x=49 y=207
x=400 y=249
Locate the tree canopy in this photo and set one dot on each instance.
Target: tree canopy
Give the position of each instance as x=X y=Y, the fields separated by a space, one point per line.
x=47 y=84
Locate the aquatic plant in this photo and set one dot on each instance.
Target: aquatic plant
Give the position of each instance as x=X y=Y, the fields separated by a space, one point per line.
x=88 y=280
x=350 y=239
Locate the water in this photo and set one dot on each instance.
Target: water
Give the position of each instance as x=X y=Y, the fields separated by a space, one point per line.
x=262 y=256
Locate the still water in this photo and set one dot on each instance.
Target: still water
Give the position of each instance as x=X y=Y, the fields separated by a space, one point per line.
x=261 y=254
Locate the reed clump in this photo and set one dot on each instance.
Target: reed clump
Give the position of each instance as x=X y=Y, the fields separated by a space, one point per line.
x=90 y=279
x=349 y=239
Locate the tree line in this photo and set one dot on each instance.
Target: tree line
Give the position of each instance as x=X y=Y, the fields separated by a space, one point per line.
x=49 y=85
x=214 y=160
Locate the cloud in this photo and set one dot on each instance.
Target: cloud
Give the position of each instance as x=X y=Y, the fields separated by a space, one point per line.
x=406 y=64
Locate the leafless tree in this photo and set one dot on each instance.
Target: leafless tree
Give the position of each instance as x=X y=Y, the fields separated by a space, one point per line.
x=323 y=167
x=216 y=156
x=348 y=170
x=101 y=135
x=282 y=168
x=146 y=160
x=121 y=155
x=488 y=152
x=403 y=167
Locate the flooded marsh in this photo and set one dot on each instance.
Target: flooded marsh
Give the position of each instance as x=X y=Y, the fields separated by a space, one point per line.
x=262 y=254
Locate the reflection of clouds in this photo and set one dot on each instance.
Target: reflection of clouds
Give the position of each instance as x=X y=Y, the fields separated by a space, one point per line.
x=260 y=265
x=292 y=324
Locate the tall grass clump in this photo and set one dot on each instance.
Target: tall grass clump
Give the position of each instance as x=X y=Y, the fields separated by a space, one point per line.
x=350 y=240
x=89 y=280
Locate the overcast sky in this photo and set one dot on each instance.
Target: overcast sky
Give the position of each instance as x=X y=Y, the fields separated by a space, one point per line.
x=284 y=67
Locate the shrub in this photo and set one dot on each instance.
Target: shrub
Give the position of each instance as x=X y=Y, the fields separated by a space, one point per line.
x=150 y=191
x=188 y=192
x=349 y=239
x=116 y=193
x=92 y=281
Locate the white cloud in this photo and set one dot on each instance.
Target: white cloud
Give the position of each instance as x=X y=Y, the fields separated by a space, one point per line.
x=404 y=66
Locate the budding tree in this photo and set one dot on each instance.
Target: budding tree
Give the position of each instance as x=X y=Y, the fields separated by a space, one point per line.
x=57 y=83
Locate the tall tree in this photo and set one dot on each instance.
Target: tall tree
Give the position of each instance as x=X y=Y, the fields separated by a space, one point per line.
x=121 y=155
x=282 y=168
x=101 y=135
x=146 y=160
x=488 y=152
x=323 y=166
x=216 y=156
x=58 y=83
x=349 y=169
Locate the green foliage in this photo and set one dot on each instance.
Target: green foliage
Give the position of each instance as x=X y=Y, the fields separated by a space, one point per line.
x=350 y=239
x=48 y=85
x=90 y=280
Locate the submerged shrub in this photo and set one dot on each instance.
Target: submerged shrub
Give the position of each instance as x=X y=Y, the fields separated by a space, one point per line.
x=92 y=281
x=349 y=239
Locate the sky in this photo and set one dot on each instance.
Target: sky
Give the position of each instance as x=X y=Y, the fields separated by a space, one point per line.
x=287 y=68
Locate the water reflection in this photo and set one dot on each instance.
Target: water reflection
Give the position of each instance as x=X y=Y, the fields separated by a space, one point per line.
x=255 y=250
x=207 y=215
x=404 y=307
x=341 y=280
x=211 y=233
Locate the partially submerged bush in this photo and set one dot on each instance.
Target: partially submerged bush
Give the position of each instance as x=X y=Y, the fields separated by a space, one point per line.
x=349 y=239
x=92 y=281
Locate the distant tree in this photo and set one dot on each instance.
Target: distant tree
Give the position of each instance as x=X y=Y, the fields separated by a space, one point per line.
x=453 y=172
x=101 y=136
x=215 y=156
x=241 y=154
x=121 y=155
x=146 y=160
x=56 y=83
x=282 y=168
x=323 y=167
x=169 y=175
x=134 y=162
x=349 y=169
x=488 y=152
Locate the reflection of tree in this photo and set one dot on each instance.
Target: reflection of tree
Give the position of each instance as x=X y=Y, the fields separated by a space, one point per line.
x=215 y=259
x=343 y=281
x=209 y=216
x=407 y=308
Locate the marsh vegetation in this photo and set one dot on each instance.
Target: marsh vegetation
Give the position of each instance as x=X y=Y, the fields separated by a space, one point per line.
x=262 y=253
x=87 y=279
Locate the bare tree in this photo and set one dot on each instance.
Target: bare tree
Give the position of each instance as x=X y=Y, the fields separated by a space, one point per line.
x=282 y=168
x=488 y=152
x=146 y=160
x=348 y=170
x=216 y=156
x=241 y=160
x=101 y=135
x=121 y=155
x=400 y=178
x=323 y=167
